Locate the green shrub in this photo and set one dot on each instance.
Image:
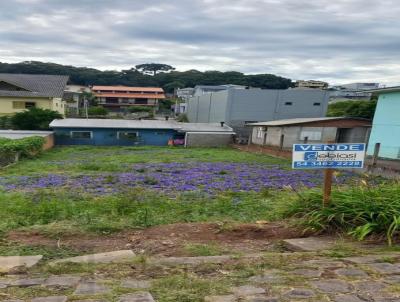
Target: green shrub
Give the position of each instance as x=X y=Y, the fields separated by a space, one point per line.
x=5 y=122
x=27 y=146
x=34 y=119
x=141 y=109
x=360 y=211
x=182 y=118
x=97 y=111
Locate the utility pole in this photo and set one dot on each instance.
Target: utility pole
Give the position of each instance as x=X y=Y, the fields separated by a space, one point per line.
x=85 y=106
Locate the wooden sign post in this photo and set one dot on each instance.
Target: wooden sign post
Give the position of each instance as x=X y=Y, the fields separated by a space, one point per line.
x=328 y=156
x=328 y=175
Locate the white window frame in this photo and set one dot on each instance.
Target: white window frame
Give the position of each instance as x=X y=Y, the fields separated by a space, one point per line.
x=260 y=132
x=72 y=132
x=118 y=133
x=312 y=135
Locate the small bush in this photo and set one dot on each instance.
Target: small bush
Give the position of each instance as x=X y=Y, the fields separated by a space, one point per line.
x=5 y=122
x=360 y=211
x=182 y=118
x=26 y=146
x=97 y=111
x=34 y=119
x=141 y=109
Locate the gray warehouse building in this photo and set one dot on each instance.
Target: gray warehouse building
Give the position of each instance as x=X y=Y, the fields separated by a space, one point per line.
x=238 y=107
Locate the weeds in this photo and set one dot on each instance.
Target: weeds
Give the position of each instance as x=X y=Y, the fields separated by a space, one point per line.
x=360 y=211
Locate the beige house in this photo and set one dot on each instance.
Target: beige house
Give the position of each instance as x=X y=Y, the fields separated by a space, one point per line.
x=19 y=92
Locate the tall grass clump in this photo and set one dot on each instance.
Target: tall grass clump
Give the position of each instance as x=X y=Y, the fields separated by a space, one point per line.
x=360 y=211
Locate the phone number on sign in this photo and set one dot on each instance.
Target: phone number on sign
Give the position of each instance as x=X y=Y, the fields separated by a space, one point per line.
x=328 y=164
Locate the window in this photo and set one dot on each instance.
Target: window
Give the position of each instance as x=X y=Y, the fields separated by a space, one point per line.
x=312 y=135
x=129 y=135
x=82 y=134
x=141 y=101
x=288 y=103
x=260 y=132
x=18 y=105
x=29 y=105
x=317 y=104
x=23 y=105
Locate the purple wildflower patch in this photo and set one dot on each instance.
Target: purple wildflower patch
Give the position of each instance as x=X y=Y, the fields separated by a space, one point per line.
x=172 y=178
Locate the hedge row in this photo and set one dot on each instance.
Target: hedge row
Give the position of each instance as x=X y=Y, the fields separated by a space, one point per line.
x=27 y=146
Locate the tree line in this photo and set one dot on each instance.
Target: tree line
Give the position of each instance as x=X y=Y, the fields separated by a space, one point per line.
x=152 y=74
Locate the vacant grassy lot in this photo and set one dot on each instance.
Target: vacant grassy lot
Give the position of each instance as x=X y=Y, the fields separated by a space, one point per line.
x=78 y=191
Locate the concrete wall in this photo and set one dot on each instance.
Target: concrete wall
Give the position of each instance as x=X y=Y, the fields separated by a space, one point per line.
x=49 y=143
x=386 y=126
x=292 y=135
x=296 y=135
x=208 y=108
x=238 y=106
x=199 y=139
x=6 y=104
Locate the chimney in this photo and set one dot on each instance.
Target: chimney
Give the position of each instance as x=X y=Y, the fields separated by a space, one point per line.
x=222 y=124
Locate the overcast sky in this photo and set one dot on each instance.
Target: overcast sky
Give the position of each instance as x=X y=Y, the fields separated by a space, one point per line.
x=334 y=40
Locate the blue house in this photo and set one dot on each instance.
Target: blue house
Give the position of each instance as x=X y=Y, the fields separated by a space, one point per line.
x=117 y=132
x=386 y=124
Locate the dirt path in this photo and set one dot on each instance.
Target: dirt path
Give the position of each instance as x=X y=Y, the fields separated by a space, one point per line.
x=170 y=240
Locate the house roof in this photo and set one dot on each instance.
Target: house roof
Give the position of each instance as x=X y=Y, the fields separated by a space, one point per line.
x=127 y=88
x=384 y=90
x=34 y=85
x=296 y=121
x=138 y=124
x=16 y=134
x=131 y=95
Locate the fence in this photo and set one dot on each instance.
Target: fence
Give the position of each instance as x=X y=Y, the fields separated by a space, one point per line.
x=384 y=161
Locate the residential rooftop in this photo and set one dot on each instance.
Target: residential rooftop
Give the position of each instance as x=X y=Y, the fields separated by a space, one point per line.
x=127 y=88
x=33 y=85
x=297 y=121
x=16 y=134
x=139 y=124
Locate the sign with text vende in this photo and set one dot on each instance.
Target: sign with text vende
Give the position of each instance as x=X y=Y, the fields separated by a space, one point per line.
x=323 y=156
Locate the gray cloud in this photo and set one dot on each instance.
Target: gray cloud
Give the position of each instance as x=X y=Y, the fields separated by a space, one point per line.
x=337 y=41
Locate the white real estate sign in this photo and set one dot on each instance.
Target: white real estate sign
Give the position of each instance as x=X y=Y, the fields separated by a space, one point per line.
x=324 y=156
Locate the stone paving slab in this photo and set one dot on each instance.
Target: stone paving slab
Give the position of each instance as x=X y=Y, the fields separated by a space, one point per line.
x=309 y=273
x=350 y=272
x=332 y=286
x=132 y=283
x=137 y=297
x=225 y=298
x=271 y=276
x=91 y=288
x=385 y=268
x=50 y=299
x=247 y=290
x=299 y=293
x=190 y=260
x=8 y=263
x=371 y=258
x=108 y=257
x=62 y=281
x=309 y=244
x=323 y=263
x=260 y=299
x=347 y=298
x=27 y=282
x=369 y=286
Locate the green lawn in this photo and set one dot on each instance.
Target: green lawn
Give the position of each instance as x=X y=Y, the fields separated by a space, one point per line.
x=90 y=159
x=62 y=210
